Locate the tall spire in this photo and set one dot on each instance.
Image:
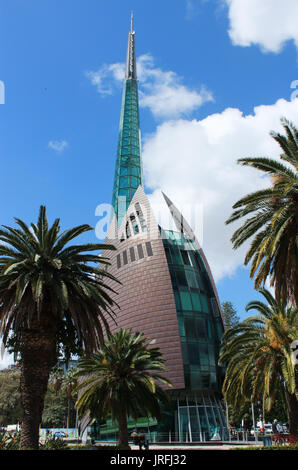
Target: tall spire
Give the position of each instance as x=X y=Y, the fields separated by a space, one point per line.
x=128 y=170
x=131 y=71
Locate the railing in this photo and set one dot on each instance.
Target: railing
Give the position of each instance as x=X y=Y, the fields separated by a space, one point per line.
x=172 y=437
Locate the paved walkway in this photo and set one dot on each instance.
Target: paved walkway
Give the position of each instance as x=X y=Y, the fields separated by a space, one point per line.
x=197 y=447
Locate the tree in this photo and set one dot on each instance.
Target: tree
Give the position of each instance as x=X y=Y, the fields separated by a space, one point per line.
x=46 y=282
x=10 y=404
x=230 y=317
x=273 y=220
x=55 y=409
x=56 y=379
x=68 y=385
x=257 y=356
x=122 y=379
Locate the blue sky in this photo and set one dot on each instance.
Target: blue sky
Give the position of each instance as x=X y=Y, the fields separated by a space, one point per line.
x=215 y=78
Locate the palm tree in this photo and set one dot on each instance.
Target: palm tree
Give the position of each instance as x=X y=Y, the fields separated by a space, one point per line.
x=43 y=282
x=56 y=379
x=68 y=385
x=273 y=223
x=120 y=380
x=257 y=356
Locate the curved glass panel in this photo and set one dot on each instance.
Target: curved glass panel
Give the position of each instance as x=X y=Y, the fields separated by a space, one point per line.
x=199 y=324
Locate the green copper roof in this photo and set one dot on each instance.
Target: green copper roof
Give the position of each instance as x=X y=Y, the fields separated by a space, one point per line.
x=128 y=170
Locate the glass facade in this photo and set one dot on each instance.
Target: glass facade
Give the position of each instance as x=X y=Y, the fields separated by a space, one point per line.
x=197 y=414
x=190 y=417
x=200 y=419
x=199 y=320
x=128 y=170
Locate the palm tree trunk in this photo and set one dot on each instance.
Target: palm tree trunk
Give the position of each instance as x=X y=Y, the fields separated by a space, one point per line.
x=123 y=431
x=293 y=412
x=38 y=348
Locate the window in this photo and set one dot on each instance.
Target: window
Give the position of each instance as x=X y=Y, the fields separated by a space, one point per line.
x=124 y=182
x=181 y=278
x=149 y=249
x=141 y=217
x=205 y=384
x=214 y=307
x=123 y=171
x=118 y=262
x=191 y=279
x=185 y=300
x=211 y=355
x=134 y=224
x=124 y=257
x=181 y=326
x=128 y=231
x=135 y=171
x=195 y=378
x=195 y=327
x=204 y=303
x=124 y=193
x=198 y=262
x=213 y=382
x=204 y=356
x=177 y=300
x=173 y=279
x=196 y=301
x=132 y=254
x=168 y=255
x=185 y=257
x=190 y=327
x=207 y=283
x=140 y=251
x=201 y=331
x=134 y=182
x=193 y=353
x=176 y=256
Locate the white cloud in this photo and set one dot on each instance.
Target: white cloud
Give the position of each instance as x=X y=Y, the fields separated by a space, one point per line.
x=161 y=91
x=58 y=145
x=196 y=161
x=164 y=94
x=267 y=23
x=107 y=77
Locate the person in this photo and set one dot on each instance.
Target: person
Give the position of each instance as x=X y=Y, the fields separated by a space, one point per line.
x=135 y=437
x=146 y=443
x=142 y=440
x=275 y=427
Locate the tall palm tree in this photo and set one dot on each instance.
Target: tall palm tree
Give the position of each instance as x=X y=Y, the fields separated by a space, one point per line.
x=43 y=281
x=121 y=379
x=273 y=219
x=68 y=385
x=257 y=356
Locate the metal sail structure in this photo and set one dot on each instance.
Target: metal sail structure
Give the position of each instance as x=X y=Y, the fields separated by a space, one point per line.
x=128 y=170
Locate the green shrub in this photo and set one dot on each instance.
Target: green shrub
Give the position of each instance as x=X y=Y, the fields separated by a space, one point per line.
x=9 y=442
x=53 y=443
